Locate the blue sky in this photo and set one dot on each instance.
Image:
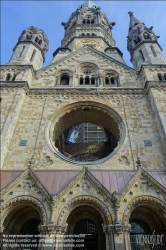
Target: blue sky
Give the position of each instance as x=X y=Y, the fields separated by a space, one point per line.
x=48 y=15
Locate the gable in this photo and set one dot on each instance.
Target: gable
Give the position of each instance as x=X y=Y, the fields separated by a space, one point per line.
x=146 y=183
x=86 y=54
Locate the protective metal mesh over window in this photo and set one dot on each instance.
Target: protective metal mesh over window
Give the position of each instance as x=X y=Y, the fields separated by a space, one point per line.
x=85 y=227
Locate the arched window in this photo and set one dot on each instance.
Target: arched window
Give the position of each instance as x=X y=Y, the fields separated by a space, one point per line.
x=92 y=21
x=81 y=80
x=160 y=77
x=87 y=80
x=106 y=80
x=33 y=55
x=165 y=77
x=153 y=51
x=112 y=80
x=8 y=77
x=83 y=34
x=22 y=51
x=88 y=21
x=93 y=34
x=14 y=77
x=93 y=80
x=64 y=80
x=142 y=55
x=84 y=21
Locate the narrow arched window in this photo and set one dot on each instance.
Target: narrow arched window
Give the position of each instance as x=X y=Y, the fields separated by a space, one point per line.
x=81 y=80
x=93 y=80
x=142 y=55
x=33 y=55
x=165 y=77
x=153 y=51
x=106 y=80
x=160 y=77
x=88 y=21
x=64 y=80
x=112 y=80
x=22 y=51
x=84 y=21
x=14 y=77
x=87 y=80
x=92 y=21
x=8 y=77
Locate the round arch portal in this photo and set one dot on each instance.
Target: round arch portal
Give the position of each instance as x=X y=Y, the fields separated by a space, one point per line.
x=88 y=221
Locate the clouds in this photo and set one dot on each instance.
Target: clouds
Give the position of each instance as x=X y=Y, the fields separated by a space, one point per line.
x=48 y=15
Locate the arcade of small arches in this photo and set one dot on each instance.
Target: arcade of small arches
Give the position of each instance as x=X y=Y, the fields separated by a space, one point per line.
x=88 y=74
x=84 y=218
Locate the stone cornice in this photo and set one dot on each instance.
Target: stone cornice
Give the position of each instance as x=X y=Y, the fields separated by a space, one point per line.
x=105 y=91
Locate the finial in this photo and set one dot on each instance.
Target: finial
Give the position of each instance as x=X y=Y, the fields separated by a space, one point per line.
x=130 y=13
x=139 y=165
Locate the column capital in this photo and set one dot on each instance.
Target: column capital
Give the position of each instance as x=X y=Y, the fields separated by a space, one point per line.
x=116 y=229
x=52 y=229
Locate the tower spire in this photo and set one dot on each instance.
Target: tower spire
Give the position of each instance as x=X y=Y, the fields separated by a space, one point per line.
x=141 y=41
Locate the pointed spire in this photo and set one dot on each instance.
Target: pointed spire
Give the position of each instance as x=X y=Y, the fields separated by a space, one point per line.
x=134 y=21
x=138 y=33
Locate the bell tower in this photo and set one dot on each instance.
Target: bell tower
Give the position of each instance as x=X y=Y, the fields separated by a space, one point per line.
x=30 y=48
x=143 y=45
x=88 y=25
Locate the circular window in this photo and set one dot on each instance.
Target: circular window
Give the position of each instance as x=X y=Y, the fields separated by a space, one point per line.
x=85 y=133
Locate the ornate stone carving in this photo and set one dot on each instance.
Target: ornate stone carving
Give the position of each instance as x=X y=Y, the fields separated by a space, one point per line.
x=47 y=162
x=86 y=186
x=87 y=201
x=123 y=160
x=142 y=201
x=9 y=205
x=37 y=36
x=52 y=229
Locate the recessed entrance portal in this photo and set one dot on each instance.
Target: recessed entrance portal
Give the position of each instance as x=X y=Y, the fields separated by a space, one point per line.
x=87 y=220
x=24 y=219
x=88 y=228
x=147 y=228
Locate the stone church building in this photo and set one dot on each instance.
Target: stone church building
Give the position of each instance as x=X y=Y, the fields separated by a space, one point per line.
x=52 y=184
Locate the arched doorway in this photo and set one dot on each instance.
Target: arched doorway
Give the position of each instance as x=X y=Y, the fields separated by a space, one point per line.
x=89 y=229
x=146 y=222
x=23 y=219
x=87 y=220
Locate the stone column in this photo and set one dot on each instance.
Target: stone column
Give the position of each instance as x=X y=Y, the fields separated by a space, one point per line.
x=53 y=236
x=71 y=81
x=117 y=237
x=109 y=237
x=101 y=81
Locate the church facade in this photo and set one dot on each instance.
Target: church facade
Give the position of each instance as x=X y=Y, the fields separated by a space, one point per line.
x=53 y=184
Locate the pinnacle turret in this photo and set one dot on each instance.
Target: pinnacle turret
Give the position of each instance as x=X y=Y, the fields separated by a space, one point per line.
x=142 y=44
x=139 y=32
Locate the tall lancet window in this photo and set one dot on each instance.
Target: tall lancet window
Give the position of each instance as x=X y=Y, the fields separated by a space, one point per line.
x=153 y=51
x=142 y=55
